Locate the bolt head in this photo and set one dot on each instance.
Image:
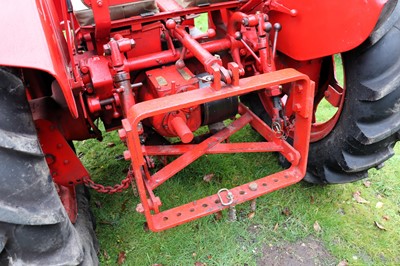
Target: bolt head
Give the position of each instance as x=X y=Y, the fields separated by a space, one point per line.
x=253 y=186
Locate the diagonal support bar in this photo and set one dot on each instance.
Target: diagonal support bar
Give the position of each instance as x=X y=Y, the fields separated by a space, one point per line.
x=190 y=156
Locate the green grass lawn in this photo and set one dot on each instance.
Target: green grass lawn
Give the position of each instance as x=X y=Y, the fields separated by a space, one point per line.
x=348 y=227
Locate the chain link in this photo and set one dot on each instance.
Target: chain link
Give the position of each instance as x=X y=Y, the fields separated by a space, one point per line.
x=110 y=189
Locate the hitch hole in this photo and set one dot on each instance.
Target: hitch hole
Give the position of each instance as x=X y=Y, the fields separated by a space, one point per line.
x=70 y=182
x=217 y=201
x=165 y=218
x=178 y=214
x=276 y=180
x=205 y=205
x=192 y=210
x=264 y=184
x=286 y=176
x=78 y=180
x=242 y=192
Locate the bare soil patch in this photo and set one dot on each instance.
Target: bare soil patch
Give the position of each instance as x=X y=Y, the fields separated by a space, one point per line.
x=308 y=251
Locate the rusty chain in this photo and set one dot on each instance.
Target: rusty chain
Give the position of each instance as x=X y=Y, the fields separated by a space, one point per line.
x=109 y=189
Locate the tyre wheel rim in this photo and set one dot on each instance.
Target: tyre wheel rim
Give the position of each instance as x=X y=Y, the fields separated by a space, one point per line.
x=328 y=106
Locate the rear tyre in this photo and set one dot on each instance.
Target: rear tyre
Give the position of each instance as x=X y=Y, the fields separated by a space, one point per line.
x=369 y=123
x=34 y=227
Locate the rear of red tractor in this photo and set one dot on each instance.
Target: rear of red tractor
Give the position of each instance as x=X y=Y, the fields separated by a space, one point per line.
x=144 y=68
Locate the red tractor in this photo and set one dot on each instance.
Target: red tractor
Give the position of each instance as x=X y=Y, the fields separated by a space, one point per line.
x=144 y=68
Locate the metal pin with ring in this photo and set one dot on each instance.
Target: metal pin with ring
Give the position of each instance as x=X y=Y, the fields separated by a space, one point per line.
x=229 y=196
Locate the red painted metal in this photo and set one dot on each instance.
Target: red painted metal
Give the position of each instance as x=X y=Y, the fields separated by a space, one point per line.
x=334 y=93
x=165 y=57
x=68 y=198
x=65 y=167
x=35 y=40
x=167 y=81
x=322 y=28
x=297 y=154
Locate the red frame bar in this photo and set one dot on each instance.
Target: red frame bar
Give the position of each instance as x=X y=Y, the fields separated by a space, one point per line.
x=297 y=154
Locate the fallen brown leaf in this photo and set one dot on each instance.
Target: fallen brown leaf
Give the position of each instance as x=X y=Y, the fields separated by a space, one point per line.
x=110 y=144
x=379 y=226
x=367 y=183
x=359 y=199
x=251 y=215
x=121 y=257
x=385 y=217
x=218 y=216
x=209 y=257
x=197 y=263
x=157 y=264
x=276 y=226
x=98 y=204
x=123 y=205
x=343 y=263
x=312 y=199
x=286 y=211
x=207 y=178
x=317 y=227
x=105 y=255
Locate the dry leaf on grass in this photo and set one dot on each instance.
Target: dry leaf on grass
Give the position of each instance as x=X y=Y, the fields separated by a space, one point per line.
x=218 y=216
x=286 y=211
x=251 y=215
x=207 y=178
x=98 y=204
x=312 y=199
x=105 y=255
x=379 y=226
x=385 y=217
x=343 y=263
x=110 y=144
x=198 y=263
x=121 y=257
x=359 y=199
x=276 y=226
x=367 y=183
x=379 y=205
x=317 y=227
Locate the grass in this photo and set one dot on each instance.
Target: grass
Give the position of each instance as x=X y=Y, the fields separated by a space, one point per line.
x=348 y=228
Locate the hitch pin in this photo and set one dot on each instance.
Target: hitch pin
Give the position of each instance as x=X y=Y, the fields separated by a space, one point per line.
x=277 y=27
x=229 y=196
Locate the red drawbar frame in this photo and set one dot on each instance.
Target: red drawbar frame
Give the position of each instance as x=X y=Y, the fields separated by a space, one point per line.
x=302 y=93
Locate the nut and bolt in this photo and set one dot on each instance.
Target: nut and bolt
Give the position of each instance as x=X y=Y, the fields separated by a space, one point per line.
x=253 y=186
x=232 y=214
x=253 y=205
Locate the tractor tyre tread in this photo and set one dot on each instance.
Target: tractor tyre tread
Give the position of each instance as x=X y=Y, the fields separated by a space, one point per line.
x=34 y=226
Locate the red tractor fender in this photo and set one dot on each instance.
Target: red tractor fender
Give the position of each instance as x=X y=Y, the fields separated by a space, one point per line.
x=314 y=28
x=32 y=38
